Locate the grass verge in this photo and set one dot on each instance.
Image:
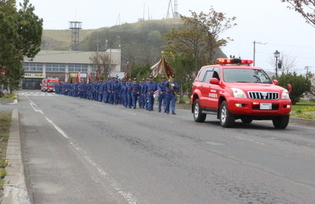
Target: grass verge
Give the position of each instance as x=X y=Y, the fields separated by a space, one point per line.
x=8 y=96
x=304 y=109
x=5 y=124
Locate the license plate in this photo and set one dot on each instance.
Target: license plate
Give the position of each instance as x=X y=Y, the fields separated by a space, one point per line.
x=265 y=106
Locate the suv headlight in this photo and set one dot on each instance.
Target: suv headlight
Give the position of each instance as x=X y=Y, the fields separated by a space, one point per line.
x=285 y=95
x=238 y=93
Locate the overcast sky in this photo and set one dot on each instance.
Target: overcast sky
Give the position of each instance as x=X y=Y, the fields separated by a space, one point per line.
x=269 y=22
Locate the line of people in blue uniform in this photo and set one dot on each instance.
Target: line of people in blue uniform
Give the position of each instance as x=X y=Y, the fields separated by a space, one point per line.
x=130 y=94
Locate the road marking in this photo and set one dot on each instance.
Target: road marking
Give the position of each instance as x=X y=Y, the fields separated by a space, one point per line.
x=37 y=93
x=129 y=197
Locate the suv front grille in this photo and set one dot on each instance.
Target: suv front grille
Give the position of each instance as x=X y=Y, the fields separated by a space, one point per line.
x=263 y=95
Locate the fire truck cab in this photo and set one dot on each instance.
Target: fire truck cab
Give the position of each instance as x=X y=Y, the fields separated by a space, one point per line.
x=48 y=84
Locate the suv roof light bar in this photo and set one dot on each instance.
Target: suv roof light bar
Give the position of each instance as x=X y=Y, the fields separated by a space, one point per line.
x=234 y=61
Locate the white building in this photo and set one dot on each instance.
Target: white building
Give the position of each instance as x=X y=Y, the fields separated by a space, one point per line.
x=62 y=64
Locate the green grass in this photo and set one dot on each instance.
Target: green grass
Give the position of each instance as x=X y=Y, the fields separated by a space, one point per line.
x=3 y=173
x=8 y=96
x=304 y=109
x=5 y=124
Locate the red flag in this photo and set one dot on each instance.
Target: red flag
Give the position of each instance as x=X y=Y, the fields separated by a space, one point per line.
x=167 y=68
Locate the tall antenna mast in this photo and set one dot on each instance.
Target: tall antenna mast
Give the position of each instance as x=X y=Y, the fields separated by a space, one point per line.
x=170 y=7
x=176 y=14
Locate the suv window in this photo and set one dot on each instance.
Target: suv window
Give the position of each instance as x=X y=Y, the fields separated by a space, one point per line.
x=202 y=75
x=246 y=76
x=208 y=76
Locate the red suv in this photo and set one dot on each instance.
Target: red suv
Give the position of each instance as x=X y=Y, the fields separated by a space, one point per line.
x=232 y=89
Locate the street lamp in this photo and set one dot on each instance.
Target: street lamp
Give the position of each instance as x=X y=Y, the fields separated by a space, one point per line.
x=277 y=55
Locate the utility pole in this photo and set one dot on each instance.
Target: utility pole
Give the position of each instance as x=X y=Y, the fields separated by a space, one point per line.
x=98 y=41
x=254 y=50
x=307 y=69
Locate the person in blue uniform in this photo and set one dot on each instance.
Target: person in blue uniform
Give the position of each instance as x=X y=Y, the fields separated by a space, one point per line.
x=171 y=88
x=123 y=94
x=151 y=88
x=105 y=92
x=101 y=91
x=110 y=91
x=128 y=93
x=116 y=90
x=135 y=88
x=142 y=94
x=162 y=93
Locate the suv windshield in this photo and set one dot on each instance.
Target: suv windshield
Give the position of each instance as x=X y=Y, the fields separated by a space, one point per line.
x=246 y=76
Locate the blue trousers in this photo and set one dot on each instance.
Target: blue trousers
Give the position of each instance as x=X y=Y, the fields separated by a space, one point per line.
x=150 y=99
x=170 y=103
x=161 y=99
x=134 y=98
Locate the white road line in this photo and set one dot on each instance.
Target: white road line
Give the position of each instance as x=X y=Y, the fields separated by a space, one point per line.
x=129 y=197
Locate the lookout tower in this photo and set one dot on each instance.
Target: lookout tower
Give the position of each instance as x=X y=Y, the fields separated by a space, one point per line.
x=75 y=27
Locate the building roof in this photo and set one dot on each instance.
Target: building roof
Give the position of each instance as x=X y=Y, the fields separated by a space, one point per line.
x=53 y=56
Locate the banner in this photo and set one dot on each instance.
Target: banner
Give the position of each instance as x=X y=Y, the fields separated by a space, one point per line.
x=162 y=67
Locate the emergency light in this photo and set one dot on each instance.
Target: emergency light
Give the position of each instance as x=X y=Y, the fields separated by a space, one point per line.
x=234 y=61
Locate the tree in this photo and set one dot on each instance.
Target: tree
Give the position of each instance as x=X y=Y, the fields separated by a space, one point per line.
x=300 y=85
x=20 y=37
x=30 y=29
x=305 y=7
x=198 y=38
x=311 y=93
x=103 y=64
x=194 y=44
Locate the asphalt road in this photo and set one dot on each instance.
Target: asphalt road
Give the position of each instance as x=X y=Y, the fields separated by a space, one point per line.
x=81 y=151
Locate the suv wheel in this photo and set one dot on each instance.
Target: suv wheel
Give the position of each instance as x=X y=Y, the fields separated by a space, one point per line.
x=198 y=115
x=227 y=119
x=281 y=122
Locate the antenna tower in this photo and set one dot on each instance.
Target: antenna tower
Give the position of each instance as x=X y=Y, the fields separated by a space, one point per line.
x=174 y=12
x=75 y=27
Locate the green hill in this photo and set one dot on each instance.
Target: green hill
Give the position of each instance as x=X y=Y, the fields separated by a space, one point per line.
x=140 y=42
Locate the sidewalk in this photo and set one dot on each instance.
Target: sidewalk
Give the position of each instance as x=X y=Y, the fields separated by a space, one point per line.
x=15 y=191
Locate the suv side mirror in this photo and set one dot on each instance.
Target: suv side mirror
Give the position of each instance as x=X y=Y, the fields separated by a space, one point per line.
x=290 y=88
x=276 y=82
x=214 y=81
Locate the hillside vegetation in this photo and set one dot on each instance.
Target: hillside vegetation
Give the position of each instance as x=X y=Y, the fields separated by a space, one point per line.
x=141 y=42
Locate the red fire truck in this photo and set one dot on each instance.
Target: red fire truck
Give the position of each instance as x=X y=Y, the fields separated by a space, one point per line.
x=48 y=84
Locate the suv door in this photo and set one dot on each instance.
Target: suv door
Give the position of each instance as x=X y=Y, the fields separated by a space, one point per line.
x=214 y=90
x=205 y=88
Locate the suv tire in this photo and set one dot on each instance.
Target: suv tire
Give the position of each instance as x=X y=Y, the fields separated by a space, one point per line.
x=281 y=122
x=227 y=119
x=198 y=115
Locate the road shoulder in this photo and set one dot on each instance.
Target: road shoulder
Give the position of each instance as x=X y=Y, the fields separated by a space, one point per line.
x=15 y=191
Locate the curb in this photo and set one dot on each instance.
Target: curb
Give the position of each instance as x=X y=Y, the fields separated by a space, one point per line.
x=302 y=121
x=15 y=191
